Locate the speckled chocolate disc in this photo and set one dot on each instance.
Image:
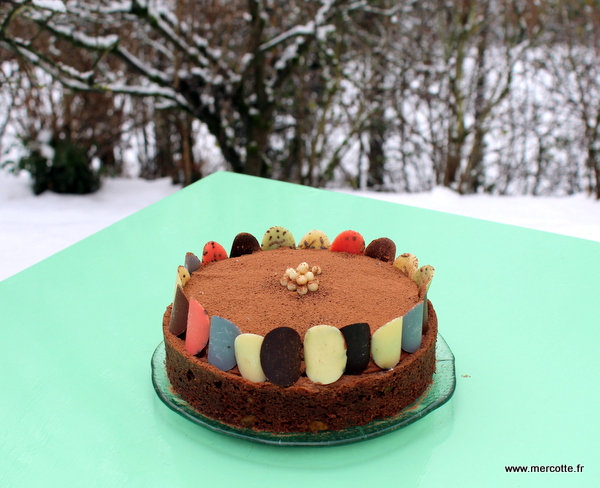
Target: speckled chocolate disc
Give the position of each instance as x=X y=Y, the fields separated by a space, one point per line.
x=244 y=243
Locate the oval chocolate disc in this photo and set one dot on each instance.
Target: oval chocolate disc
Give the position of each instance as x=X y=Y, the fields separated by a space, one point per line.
x=383 y=249
x=244 y=243
x=221 y=345
x=179 y=313
x=358 y=347
x=192 y=262
x=412 y=328
x=280 y=356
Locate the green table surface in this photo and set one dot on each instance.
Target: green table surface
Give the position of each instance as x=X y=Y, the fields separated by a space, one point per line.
x=517 y=307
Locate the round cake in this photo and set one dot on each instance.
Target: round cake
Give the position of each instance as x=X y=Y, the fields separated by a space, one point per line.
x=300 y=337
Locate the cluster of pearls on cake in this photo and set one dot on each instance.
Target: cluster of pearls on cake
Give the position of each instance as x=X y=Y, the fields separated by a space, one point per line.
x=302 y=279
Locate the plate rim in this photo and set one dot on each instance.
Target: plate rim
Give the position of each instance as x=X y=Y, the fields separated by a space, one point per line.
x=445 y=363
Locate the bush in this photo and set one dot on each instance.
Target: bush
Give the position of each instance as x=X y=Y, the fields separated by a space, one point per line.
x=69 y=170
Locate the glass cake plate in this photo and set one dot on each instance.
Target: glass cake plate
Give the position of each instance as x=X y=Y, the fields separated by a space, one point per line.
x=438 y=393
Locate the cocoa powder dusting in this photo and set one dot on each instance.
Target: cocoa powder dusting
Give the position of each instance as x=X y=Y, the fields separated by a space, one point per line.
x=246 y=290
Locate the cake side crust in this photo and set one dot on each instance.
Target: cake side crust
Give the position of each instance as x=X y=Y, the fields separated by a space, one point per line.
x=305 y=406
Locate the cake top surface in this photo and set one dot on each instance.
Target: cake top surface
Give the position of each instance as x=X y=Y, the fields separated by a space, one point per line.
x=352 y=288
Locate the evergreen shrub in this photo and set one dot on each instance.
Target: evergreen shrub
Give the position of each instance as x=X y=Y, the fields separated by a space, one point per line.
x=68 y=171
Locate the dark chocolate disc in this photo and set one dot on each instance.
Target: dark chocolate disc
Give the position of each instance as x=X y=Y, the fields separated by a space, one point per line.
x=280 y=356
x=358 y=347
x=383 y=249
x=179 y=313
x=244 y=243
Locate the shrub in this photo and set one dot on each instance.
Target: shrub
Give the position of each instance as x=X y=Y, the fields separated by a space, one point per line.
x=68 y=170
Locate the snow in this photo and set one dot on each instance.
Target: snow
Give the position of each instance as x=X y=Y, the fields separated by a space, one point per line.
x=97 y=42
x=33 y=228
x=54 y=5
x=576 y=215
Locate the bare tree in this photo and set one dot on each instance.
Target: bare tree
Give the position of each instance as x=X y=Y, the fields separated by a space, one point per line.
x=228 y=64
x=398 y=95
x=475 y=38
x=573 y=60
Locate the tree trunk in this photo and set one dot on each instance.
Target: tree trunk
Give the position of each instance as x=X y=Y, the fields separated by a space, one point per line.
x=376 y=154
x=453 y=158
x=594 y=165
x=163 y=160
x=188 y=166
x=255 y=151
x=469 y=180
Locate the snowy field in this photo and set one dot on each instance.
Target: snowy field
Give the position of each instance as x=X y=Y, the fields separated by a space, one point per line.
x=33 y=228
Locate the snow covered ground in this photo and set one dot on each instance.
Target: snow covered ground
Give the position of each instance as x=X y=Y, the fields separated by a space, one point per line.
x=33 y=228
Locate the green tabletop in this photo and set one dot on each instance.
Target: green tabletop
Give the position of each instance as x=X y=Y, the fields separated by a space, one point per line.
x=517 y=307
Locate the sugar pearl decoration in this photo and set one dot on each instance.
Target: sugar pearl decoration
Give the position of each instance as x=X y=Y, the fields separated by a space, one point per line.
x=301 y=279
x=313 y=285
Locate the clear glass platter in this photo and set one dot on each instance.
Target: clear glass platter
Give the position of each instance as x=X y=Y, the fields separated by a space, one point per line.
x=438 y=393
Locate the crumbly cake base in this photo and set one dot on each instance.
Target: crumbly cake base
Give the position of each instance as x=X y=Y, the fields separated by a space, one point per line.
x=305 y=406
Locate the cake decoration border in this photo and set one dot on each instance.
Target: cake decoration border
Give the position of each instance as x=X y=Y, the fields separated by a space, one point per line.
x=385 y=344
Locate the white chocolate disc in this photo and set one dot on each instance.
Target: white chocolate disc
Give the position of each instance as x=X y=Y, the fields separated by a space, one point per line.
x=247 y=355
x=324 y=354
x=386 y=344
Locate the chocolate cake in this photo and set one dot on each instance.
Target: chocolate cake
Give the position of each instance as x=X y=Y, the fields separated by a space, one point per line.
x=286 y=337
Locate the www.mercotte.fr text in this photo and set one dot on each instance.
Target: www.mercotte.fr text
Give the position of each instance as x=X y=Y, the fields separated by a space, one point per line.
x=560 y=468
